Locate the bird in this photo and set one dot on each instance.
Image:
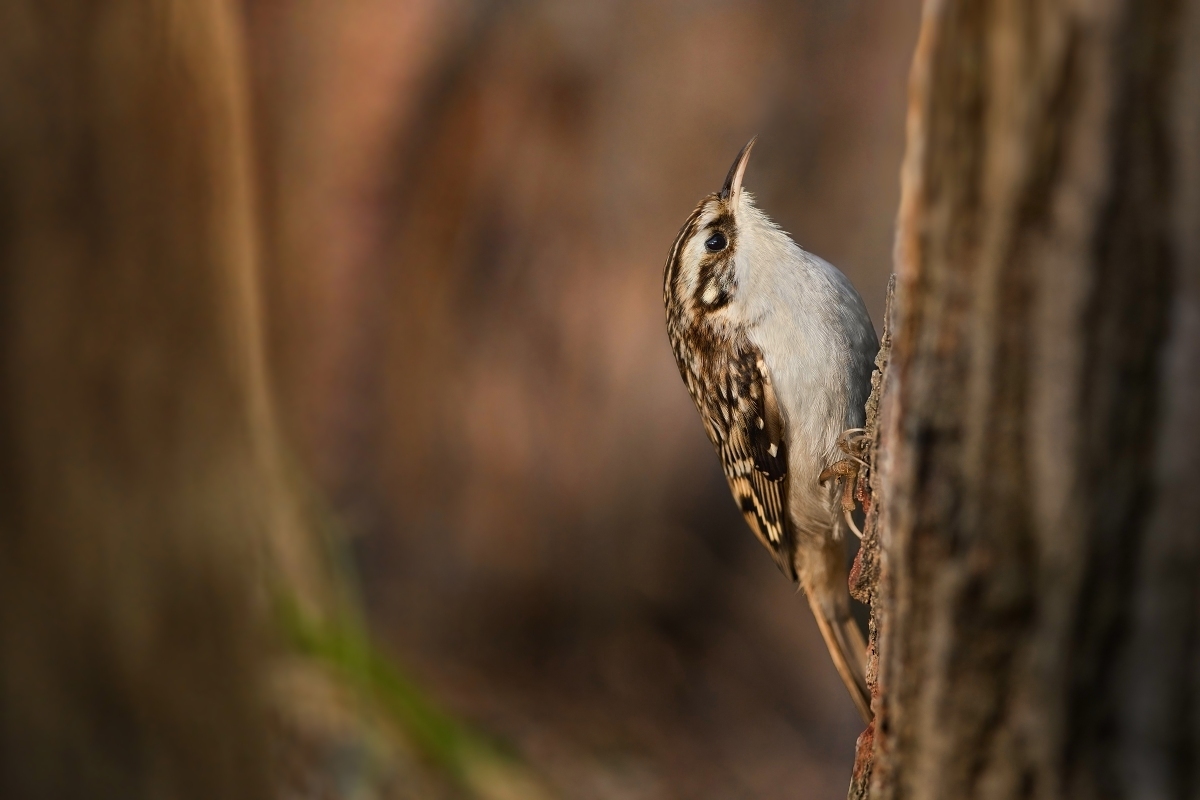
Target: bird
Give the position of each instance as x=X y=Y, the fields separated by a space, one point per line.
x=776 y=348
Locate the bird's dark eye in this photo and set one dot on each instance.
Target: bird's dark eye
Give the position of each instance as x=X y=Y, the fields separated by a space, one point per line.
x=715 y=243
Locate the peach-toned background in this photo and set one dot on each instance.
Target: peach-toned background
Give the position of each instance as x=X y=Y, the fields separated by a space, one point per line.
x=468 y=205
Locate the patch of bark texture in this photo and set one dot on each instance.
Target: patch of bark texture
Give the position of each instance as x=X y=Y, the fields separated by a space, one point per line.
x=867 y=572
x=1035 y=580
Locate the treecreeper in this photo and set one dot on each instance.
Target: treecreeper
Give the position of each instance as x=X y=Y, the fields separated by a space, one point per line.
x=776 y=348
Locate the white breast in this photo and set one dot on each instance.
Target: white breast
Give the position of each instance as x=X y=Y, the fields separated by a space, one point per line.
x=815 y=335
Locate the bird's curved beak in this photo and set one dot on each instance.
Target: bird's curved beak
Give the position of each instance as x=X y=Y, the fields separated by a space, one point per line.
x=732 y=190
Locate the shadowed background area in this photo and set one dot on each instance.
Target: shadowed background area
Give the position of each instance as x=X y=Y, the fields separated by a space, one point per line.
x=469 y=206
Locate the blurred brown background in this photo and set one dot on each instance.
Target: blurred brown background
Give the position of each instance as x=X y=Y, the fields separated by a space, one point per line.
x=467 y=206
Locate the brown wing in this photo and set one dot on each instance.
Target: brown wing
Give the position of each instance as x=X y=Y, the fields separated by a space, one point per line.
x=754 y=457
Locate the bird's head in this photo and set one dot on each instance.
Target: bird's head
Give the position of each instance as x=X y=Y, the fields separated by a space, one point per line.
x=700 y=281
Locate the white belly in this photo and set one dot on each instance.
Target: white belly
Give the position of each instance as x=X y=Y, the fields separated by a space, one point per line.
x=817 y=342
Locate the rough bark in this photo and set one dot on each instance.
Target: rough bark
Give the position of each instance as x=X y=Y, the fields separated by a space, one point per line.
x=867 y=572
x=1040 y=424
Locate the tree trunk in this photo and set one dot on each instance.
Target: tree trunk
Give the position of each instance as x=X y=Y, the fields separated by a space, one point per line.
x=1037 y=492
x=139 y=496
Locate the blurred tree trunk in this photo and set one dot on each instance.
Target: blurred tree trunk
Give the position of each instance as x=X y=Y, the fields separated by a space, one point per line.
x=139 y=493
x=1038 y=482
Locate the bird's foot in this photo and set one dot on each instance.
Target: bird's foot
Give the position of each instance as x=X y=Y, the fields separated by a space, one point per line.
x=847 y=471
x=855 y=443
x=852 y=471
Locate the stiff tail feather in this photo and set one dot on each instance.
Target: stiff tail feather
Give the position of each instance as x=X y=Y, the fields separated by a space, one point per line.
x=849 y=653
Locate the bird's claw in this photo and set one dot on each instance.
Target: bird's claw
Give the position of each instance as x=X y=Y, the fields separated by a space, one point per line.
x=847 y=469
x=854 y=443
